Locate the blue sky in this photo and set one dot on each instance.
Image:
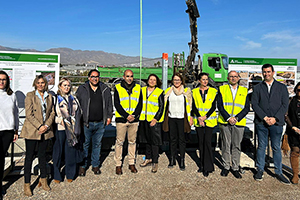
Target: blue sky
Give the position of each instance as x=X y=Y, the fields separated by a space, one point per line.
x=238 y=28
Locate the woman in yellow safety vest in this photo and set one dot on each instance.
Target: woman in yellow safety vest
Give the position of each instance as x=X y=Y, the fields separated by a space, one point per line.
x=178 y=121
x=150 y=120
x=205 y=119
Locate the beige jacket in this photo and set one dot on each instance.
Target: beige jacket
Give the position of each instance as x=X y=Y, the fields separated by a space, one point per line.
x=34 y=117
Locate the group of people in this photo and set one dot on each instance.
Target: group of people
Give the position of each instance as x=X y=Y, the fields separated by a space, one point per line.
x=142 y=113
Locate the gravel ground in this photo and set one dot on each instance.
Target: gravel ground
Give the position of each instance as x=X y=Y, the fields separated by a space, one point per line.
x=165 y=184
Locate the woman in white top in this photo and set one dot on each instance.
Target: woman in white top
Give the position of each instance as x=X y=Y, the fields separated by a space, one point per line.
x=9 y=120
x=178 y=121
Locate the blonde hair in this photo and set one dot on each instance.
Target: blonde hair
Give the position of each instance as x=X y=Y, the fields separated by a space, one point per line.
x=37 y=79
x=59 y=92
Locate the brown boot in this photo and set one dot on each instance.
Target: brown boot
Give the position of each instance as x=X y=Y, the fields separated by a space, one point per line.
x=119 y=170
x=132 y=168
x=27 y=190
x=43 y=182
x=154 y=167
x=295 y=166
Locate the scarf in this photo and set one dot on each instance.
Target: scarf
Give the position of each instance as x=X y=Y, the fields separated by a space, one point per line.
x=180 y=91
x=67 y=109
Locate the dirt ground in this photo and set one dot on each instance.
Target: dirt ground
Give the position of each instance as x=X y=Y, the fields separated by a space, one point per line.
x=165 y=184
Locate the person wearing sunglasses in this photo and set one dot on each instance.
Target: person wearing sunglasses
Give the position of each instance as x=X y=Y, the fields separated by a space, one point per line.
x=96 y=102
x=37 y=130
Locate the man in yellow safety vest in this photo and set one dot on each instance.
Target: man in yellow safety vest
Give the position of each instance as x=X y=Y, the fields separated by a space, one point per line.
x=128 y=102
x=233 y=105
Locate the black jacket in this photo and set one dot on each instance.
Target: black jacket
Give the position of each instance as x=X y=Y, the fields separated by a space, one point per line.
x=274 y=104
x=83 y=96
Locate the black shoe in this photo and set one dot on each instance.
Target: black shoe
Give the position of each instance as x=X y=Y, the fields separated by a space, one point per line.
x=81 y=171
x=282 y=179
x=96 y=170
x=259 y=175
x=182 y=165
x=224 y=172
x=200 y=170
x=172 y=162
x=205 y=173
x=236 y=174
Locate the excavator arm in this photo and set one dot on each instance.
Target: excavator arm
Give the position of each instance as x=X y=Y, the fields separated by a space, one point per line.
x=189 y=72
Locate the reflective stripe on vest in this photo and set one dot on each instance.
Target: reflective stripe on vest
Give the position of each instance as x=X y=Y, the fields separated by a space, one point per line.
x=233 y=107
x=150 y=104
x=128 y=102
x=203 y=108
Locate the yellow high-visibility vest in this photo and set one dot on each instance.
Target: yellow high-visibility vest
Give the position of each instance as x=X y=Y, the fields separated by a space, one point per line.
x=150 y=104
x=203 y=108
x=233 y=107
x=187 y=105
x=128 y=102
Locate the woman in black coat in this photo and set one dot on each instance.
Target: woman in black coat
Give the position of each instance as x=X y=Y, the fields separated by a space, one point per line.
x=293 y=131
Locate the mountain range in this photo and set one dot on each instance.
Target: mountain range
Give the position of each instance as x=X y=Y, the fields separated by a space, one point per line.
x=70 y=56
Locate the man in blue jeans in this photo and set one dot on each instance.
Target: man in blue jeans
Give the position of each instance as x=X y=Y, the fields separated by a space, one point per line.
x=270 y=103
x=96 y=103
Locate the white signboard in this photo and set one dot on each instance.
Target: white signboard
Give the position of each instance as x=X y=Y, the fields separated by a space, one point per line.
x=23 y=67
x=251 y=74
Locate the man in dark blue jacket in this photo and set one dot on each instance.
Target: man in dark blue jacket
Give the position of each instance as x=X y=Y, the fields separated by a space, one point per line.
x=96 y=103
x=270 y=102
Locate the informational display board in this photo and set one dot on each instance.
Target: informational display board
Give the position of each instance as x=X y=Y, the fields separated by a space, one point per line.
x=23 y=67
x=251 y=73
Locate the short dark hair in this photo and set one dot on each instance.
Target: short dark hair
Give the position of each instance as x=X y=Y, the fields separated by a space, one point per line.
x=158 y=82
x=93 y=70
x=202 y=74
x=180 y=76
x=267 y=66
x=295 y=88
x=37 y=79
x=7 y=86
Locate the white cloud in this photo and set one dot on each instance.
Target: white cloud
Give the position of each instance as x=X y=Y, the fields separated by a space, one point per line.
x=252 y=45
x=248 y=44
x=282 y=36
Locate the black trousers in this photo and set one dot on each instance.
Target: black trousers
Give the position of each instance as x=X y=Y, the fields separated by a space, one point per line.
x=206 y=153
x=152 y=152
x=6 y=137
x=177 y=137
x=30 y=152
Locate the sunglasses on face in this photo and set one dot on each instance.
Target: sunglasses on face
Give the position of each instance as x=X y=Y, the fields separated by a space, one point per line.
x=94 y=77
